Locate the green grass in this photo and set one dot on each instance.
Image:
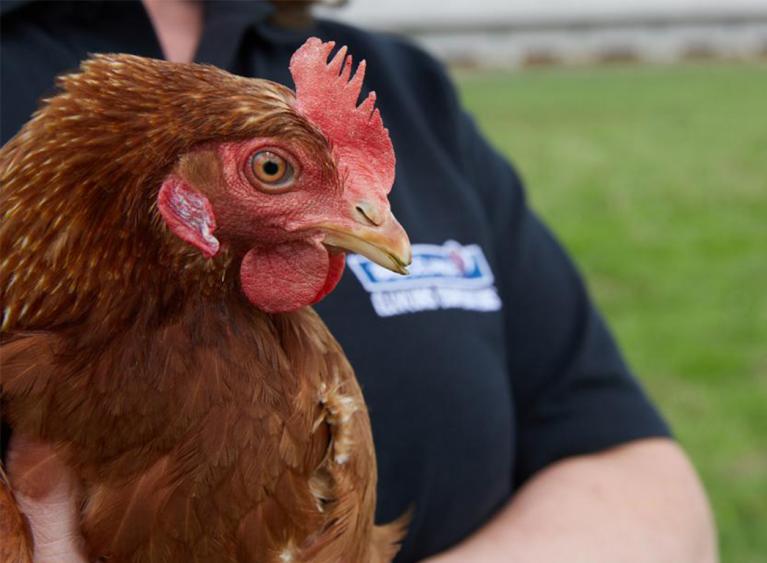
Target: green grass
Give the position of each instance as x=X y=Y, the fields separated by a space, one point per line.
x=655 y=178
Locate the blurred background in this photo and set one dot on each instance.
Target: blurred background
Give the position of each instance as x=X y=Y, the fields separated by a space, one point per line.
x=640 y=128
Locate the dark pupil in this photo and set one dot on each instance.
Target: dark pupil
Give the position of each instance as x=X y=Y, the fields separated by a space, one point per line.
x=271 y=168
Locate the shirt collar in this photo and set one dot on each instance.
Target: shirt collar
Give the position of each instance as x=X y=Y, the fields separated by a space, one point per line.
x=249 y=11
x=226 y=22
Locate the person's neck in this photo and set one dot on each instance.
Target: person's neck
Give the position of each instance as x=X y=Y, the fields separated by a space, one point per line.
x=178 y=24
x=292 y=14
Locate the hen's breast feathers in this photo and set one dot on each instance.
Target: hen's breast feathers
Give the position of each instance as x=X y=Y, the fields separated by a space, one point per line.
x=209 y=440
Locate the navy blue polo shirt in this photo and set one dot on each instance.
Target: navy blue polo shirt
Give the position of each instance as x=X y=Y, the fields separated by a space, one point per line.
x=486 y=364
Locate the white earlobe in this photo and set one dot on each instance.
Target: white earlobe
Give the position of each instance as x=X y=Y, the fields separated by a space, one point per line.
x=188 y=214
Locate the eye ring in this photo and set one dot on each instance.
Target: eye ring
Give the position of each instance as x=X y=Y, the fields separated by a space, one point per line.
x=271 y=171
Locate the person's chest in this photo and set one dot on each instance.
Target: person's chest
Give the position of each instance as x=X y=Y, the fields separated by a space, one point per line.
x=429 y=352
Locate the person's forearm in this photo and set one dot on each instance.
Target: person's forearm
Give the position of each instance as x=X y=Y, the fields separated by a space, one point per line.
x=638 y=503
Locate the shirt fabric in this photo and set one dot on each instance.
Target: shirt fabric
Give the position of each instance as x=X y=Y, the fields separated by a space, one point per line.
x=487 y=364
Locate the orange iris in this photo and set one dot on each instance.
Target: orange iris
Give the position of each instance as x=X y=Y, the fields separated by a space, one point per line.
x=270 y=168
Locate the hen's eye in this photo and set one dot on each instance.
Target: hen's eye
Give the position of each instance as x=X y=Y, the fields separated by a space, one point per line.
x=272 y=170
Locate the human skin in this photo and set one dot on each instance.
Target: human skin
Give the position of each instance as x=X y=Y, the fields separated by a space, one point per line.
x=636 y=503
x=178 y=24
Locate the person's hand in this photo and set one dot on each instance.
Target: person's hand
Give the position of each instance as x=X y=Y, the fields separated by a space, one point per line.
x=46 y=492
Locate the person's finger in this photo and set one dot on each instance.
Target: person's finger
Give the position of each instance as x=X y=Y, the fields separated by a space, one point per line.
x=47 y=493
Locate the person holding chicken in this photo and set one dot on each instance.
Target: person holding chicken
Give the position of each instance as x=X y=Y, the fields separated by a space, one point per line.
x=501 y=409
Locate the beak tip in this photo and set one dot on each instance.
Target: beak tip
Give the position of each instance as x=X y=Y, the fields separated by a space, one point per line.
x=403 y=263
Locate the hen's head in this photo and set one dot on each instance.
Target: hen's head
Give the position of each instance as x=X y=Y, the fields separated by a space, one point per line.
x=288 y=202
x=143 y=165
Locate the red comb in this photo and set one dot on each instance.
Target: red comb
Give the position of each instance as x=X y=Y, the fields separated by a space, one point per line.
x=326 y=94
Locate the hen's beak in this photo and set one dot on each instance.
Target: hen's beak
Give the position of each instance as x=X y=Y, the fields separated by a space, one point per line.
x=374 y=234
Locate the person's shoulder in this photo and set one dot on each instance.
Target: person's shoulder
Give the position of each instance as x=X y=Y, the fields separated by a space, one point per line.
x=413 y=86
x=392 y=53
x=383 y=42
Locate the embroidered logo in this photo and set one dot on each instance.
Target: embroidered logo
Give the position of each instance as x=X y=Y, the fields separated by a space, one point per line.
x=448 y=276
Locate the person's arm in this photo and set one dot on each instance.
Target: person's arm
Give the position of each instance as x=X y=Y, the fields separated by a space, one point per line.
x=640 y=502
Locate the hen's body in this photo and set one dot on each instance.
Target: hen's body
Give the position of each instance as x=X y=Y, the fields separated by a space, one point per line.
x=135 y=342
x=246 y=437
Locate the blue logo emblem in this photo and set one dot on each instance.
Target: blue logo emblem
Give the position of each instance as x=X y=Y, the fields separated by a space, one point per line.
x=444 y=276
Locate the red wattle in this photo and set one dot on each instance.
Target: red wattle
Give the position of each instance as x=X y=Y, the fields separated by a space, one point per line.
x=335 y=271
x=289 y=276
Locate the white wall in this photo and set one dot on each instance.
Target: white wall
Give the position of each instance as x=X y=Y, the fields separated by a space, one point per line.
x=388 y=13
x=514 y=33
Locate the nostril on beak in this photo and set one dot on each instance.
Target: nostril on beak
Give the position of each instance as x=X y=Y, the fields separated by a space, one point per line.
x=369 y=214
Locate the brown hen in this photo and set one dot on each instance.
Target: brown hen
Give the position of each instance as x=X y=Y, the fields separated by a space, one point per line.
x=165 y=227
